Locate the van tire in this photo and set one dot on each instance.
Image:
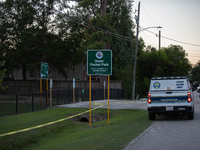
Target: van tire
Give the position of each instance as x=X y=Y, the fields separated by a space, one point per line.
x=191 y=116
x=152 y=116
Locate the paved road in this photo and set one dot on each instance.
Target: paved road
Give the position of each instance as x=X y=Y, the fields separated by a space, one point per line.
x=171 y=133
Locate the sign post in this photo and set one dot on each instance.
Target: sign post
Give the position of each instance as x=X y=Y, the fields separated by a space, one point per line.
x=44 y=75
x=51 y=86
x=104 y=85
x=90 y=100
x=73 y=90
x=108 y=97
x=99 y=62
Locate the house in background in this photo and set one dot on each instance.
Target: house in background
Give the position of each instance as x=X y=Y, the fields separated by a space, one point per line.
x=16 y=83
x=79 y=73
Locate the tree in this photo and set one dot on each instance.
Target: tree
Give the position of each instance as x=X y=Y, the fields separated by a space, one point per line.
x=195 y=73
x=33 y=37
x=2 y=74
x=118 y=21
x=169 y=61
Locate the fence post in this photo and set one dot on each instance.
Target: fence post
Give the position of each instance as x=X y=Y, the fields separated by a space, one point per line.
x=16 y=103
x=32 y=102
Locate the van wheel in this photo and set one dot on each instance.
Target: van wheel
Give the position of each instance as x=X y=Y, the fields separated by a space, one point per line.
x=152 y=116
x=191 y=116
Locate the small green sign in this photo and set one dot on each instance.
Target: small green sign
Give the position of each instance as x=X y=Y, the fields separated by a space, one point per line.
x=99 y=62
x=44 y=70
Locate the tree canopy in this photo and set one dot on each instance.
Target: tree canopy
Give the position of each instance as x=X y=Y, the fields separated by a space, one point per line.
x=51 y=31
x=195 y=73
x=30 y=35
x=165 y=62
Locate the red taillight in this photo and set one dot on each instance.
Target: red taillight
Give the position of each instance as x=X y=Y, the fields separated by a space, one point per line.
x=149 y=94
x=189 y=97
x=149 y=98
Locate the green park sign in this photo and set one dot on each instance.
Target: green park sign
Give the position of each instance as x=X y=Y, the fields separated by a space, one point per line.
x=44 y=70
x=99 y=62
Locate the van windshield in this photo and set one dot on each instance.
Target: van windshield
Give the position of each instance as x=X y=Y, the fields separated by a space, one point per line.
x=177 y=84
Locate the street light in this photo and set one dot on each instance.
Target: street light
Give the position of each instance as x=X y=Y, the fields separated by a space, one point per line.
x=159 y=27
x=135 y=62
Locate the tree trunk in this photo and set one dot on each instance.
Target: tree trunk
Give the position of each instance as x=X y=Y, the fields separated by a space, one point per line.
x=24 y=72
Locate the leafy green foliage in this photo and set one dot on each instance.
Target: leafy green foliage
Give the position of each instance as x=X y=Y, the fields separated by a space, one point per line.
x=195 y=73
x=2 y=74
x=118 y=21
x=169 y=61
x=31 y=33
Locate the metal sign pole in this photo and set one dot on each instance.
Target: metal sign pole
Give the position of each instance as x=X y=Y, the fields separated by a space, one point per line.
x=73 y=90
x=90 y=99
x=47 y=90
x=51 y=85
x=108 y=97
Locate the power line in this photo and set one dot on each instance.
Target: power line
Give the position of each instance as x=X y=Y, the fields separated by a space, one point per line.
x=167 y=37
x=180 y=41
x=174 y=39
x=92 y=26
x=192 y=56
x=82 y=23
x=105 y=31
x=148 y=15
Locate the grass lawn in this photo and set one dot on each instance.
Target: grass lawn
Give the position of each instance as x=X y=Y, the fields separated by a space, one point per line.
x=124 y=126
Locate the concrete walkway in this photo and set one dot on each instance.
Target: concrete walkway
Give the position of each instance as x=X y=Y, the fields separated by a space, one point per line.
x=113 y=104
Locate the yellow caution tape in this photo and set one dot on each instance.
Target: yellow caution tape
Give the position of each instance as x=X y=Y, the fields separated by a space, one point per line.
x=50 y=123
x=99 y=103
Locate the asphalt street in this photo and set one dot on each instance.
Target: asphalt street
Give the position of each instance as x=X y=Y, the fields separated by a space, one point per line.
x=171 y=132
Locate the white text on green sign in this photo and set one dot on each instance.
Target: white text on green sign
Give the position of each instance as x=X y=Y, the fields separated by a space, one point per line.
x=99 y=62
x=44 y=70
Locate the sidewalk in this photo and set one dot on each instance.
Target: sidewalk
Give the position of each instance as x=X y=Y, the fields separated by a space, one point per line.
x=113 y=104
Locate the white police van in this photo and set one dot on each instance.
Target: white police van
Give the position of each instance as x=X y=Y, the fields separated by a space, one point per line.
x=170 y=95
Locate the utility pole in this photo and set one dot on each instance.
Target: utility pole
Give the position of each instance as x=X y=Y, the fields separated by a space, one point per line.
x=159 y=40
x=136 y=48
x=103 y=7
x=103 y=12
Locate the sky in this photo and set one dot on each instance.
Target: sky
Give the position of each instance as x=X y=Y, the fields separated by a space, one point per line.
x=179 y=20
